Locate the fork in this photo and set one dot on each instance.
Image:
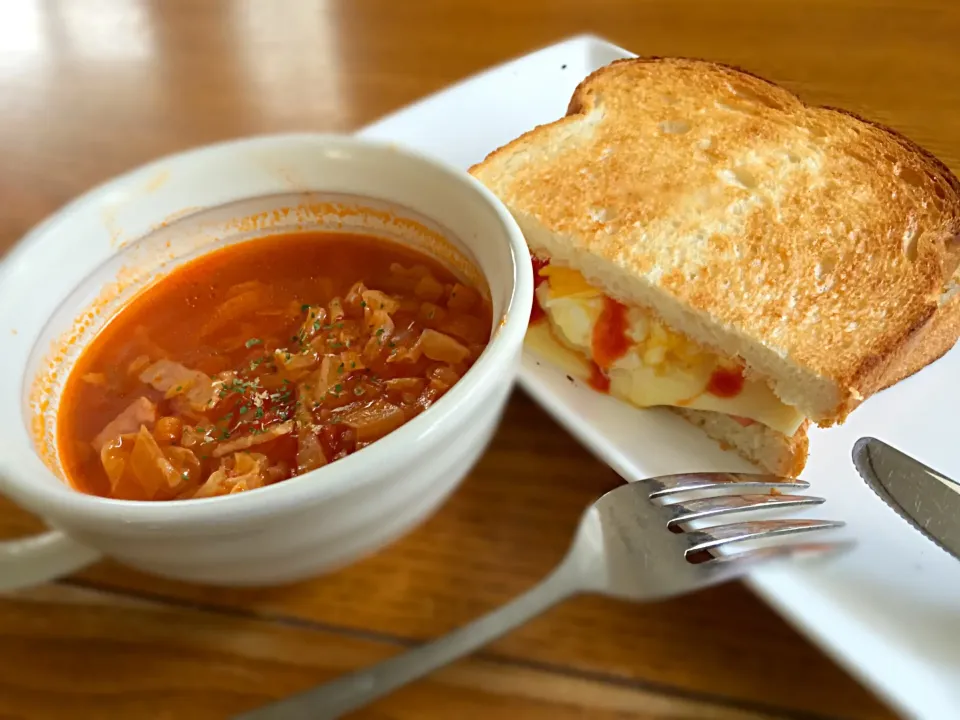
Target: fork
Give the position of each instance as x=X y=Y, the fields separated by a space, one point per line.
x=623 y=548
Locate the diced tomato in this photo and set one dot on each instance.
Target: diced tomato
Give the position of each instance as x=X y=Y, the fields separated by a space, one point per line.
x=598 y=380
x=610 y=341
x=726 y=383
x=745 y=422
x=536 y=312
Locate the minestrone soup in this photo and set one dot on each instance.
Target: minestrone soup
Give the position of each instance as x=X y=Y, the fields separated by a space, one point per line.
x=264 y=360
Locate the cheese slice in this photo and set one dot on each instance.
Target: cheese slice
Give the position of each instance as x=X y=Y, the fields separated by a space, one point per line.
x=660 y=367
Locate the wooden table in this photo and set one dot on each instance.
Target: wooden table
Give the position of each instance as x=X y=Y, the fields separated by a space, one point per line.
x=89 y=89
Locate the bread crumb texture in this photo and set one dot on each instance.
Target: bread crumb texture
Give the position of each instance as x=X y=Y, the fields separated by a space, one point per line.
x=806 y=240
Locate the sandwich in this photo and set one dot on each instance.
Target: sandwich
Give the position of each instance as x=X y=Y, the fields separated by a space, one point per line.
x=704 y=240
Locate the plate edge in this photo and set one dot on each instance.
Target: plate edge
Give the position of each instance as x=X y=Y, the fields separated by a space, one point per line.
x=777 y=601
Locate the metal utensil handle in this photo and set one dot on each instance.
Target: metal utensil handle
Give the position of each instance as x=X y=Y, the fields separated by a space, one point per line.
x=360 y=688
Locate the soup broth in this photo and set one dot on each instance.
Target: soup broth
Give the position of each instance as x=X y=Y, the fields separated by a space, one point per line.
x=265 y=360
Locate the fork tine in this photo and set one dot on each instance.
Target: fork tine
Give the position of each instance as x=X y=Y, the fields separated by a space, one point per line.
x=671 y=484
x=736 y=564
x=721 y=535
x=778 y=551
x=681 y=512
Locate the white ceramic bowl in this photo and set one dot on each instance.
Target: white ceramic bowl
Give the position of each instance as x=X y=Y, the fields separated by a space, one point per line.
x=128 y=229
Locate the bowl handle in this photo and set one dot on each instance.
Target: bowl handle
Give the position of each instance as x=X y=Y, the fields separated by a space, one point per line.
x=33 y=560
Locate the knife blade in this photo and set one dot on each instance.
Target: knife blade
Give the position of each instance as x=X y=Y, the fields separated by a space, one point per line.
x=924 y=497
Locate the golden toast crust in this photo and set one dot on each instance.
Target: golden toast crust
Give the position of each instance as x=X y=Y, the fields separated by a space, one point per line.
x=806 y=235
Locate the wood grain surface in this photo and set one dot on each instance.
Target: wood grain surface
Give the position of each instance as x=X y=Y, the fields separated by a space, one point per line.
x=90 y=88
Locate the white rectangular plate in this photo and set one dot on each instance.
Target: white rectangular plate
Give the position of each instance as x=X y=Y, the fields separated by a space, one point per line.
x=890 y=609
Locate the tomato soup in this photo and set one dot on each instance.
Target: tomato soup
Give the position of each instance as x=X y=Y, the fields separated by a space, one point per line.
x=262 y=361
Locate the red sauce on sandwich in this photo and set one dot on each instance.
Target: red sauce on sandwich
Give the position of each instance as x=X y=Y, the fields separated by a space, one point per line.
x=726 y=383
x=597 y=380
x=610 y=341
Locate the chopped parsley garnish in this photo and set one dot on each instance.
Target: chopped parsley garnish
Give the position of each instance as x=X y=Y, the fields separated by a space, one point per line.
x=363 y=304
x=340 y=368
x=253 y=341
x=179 y=388
x=358 y=390
x=243 y=409
x=258 y=413
x=304 y=307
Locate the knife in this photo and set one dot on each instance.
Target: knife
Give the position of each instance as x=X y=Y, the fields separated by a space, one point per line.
x=925 y=498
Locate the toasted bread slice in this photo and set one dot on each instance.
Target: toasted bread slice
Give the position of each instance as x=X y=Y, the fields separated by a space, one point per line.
x=815 y=246
x=773 y=451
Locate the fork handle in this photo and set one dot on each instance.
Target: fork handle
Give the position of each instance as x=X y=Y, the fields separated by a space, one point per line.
x=362 y=687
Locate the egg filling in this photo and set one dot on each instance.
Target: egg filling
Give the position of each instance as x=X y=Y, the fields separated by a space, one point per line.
x=636 y=358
